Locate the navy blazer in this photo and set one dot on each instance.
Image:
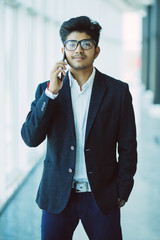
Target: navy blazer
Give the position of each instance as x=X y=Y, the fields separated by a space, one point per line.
x=110 y=143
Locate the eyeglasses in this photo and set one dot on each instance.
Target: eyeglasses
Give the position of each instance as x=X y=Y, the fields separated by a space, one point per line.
x=86 y=44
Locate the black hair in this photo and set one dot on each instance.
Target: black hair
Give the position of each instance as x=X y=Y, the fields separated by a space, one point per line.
x=81 y=24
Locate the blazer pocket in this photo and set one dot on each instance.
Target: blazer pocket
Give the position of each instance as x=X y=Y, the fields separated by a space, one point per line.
x=48 y=164
x=109 y=172
x=48 y=178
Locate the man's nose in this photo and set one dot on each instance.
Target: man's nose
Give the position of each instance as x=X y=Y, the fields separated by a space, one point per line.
x=79 y=49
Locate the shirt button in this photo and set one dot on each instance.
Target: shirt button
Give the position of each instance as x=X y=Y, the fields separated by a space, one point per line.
x=72 y=148
x=70 y=170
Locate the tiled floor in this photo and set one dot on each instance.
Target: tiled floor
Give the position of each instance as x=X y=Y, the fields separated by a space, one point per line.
x=140 y=216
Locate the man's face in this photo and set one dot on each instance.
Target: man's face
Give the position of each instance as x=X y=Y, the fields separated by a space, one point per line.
x=80 y=58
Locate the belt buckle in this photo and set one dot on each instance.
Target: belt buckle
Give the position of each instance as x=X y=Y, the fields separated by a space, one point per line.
x=81 y=187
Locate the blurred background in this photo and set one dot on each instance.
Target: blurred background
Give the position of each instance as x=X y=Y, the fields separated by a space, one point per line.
x=29 y=47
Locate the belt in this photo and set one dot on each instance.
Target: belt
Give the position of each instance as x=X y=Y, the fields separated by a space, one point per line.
x=80 y=187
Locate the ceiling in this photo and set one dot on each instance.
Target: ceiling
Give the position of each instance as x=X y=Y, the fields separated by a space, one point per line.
x=132 y=5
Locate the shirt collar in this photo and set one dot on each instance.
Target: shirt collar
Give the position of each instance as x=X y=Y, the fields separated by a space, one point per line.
x=89 y=82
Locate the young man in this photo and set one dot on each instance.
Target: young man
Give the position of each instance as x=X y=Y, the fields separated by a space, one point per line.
x=88 y=120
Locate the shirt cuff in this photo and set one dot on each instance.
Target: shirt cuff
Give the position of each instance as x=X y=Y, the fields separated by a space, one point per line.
x=50 y=94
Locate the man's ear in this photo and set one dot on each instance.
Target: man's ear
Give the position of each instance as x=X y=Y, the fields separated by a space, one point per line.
x=97 y=51
x=62 y=49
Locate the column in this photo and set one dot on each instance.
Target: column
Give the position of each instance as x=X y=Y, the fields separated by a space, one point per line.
x=154 y=70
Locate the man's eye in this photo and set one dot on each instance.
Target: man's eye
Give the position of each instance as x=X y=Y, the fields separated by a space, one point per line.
x=71 y=44
x=87 y=44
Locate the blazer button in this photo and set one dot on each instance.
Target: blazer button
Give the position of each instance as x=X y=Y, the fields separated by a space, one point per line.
x=88 y=149
x=43 y=106
x=70 y=170
x=72 y=148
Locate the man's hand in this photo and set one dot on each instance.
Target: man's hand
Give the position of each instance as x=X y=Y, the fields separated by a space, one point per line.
x=55 y=81
x=121 y=203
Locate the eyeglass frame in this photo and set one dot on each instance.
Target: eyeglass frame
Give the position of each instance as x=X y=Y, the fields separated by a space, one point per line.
x=92 y=40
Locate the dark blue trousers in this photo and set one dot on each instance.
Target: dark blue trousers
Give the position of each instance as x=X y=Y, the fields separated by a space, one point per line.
x=82 y=207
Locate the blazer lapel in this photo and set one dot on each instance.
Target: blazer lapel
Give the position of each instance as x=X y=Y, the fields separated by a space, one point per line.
x=65 y=98
x=98 y=91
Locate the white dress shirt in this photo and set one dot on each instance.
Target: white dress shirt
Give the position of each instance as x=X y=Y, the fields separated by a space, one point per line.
x=80 y=105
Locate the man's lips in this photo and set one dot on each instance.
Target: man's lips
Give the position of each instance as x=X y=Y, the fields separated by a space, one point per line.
x=78 y=57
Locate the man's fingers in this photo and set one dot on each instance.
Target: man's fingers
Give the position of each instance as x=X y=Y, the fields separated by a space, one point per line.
x=121 y=203
x=60 y=71
x=55 y=76
x=58 y=66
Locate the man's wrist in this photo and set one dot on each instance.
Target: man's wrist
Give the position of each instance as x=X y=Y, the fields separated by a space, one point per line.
x=48 y=87
x=50 y=94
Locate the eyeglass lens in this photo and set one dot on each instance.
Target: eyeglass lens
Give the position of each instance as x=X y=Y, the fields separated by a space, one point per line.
x=85 y=44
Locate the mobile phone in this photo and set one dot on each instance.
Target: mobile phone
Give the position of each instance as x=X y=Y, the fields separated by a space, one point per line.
x=64 y=57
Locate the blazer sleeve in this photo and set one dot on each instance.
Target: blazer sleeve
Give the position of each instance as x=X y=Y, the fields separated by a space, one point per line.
x=127 y=146
x=36 y=125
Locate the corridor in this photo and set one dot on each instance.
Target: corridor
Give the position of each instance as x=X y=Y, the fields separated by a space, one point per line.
x=30 y=45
